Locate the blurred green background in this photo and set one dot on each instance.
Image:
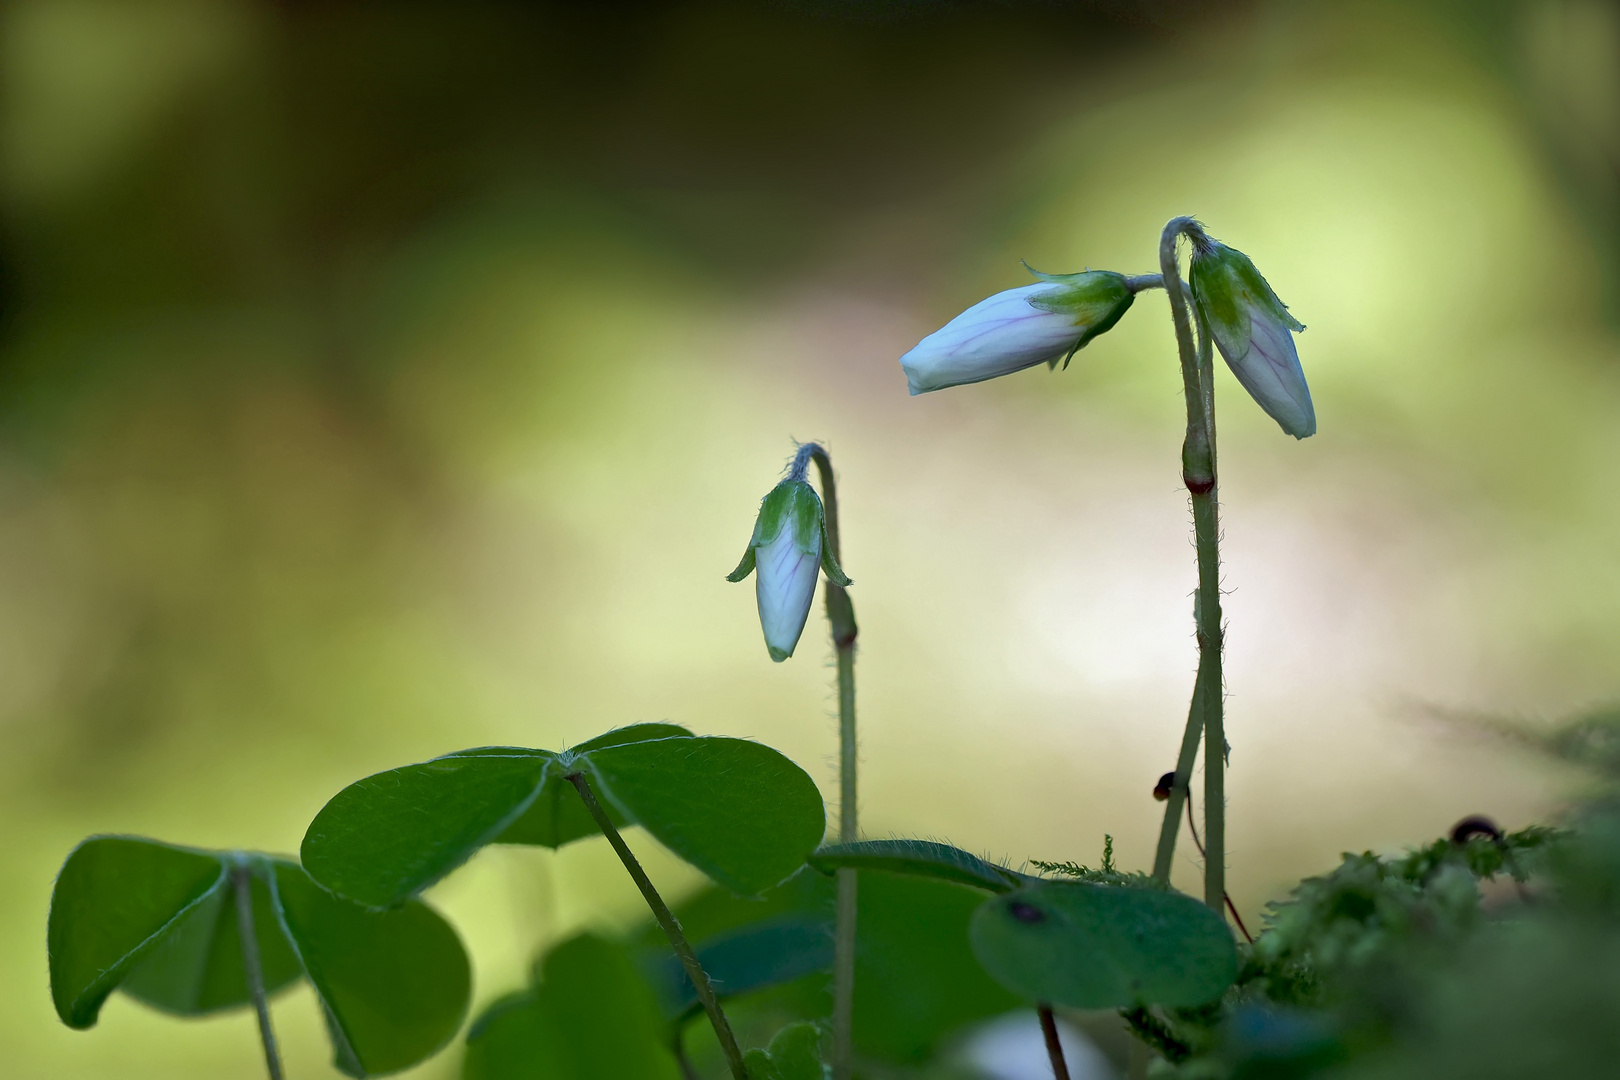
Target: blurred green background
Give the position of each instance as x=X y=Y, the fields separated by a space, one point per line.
x=380 y=380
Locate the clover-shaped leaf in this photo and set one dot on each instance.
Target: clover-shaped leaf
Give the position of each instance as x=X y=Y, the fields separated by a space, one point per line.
x=590 y=1014
x=737 y=810
x=1104 y=946
x=160 y=923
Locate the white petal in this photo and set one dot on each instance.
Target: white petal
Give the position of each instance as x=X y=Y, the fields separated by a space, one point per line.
x=785 y=585
x=996 y=336
x=1270 y=371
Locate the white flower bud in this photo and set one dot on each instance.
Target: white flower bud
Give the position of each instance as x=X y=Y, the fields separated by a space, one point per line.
x=787 y=549
x=1019 y=328
x=1254 y=332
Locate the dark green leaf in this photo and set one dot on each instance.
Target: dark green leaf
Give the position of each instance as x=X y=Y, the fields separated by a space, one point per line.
x=748 y=958
x=197 y=966
x=114 y=900
x=591 y=1018
x=1100 y=946
x=737 y=810
x=631 y=733
x=794 y=1054
x=712 y=913
x=916 y=980
x=387 y=837
x=160 y=922
x=512 y=1038
x=921 y=858
x=559 y=816
x=394 y=984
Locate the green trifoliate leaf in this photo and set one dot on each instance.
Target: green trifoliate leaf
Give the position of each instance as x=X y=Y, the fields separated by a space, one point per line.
x=116 y=900
x=386 y=838
x=196 y=968
x=127 y=914
x=737 y=810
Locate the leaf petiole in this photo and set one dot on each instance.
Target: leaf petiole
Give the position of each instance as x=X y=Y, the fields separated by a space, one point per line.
x=671 y=926
x=242 y=884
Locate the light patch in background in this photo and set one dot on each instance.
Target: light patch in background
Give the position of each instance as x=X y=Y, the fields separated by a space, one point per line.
x=1012 y=1047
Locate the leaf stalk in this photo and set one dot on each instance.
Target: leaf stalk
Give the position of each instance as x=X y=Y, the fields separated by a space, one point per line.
x=671 y=927
x=252 y=968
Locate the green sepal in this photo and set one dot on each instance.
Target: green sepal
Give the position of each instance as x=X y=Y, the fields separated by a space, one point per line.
x=746 y=566
x=1096 y=299
x=1225 y=285
x=829 y=562
x=792 y=501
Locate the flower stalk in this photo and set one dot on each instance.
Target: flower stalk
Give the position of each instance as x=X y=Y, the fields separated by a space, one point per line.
x=841 y=622
x=1198 y=467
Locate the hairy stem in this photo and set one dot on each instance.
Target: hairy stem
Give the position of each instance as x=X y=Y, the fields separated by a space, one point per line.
x=1171 y=828
x=1054 y=1046
x=242 y=882
x=1231 y=908
x=1199 y=474
x=671 y=926
x=841 y=619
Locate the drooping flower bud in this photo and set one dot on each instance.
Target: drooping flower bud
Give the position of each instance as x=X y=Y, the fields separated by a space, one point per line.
x=789 y=545
x=1040 y=323
x=1253 y=331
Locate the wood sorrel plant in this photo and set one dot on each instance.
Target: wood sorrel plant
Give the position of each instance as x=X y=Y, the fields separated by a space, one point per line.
x=1058 y=316
x=793 y=535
